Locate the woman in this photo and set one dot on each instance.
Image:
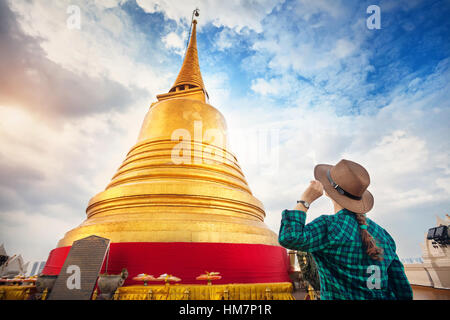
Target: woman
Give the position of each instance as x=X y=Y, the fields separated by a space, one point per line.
x=355 y=256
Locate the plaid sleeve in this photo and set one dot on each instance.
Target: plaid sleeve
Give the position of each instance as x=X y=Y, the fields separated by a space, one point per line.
x=398 y=282
x=295 y=235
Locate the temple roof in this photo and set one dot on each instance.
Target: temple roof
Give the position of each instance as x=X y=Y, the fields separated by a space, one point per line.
x=190 y=70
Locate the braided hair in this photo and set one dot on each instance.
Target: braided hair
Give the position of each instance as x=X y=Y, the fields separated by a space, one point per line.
x=375 y=252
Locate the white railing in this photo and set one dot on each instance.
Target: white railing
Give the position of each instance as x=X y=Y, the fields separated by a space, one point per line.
x=411 y=260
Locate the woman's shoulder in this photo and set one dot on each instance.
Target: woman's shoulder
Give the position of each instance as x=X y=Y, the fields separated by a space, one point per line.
x=342 y=217
x=380 y=233
x=342 y=226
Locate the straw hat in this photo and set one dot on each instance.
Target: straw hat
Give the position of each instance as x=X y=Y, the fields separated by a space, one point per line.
x=346 y=183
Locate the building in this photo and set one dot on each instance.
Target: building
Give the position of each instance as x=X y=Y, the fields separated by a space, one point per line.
x=11 y=266
x=35 y=268
x=434 y=271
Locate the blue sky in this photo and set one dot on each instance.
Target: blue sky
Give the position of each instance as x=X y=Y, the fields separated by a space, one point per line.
x=411 y=43
x=308 y=74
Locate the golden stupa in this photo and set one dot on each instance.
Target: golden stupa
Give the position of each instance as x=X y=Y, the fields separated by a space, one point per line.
x=180 y=203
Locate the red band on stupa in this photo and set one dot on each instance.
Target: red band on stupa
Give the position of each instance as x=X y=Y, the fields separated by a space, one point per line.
x=237 y=263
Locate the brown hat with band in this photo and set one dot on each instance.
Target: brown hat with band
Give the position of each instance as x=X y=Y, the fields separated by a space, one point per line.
x=346 y=183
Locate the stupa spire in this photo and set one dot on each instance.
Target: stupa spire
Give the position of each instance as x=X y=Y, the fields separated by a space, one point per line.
x=190 y=76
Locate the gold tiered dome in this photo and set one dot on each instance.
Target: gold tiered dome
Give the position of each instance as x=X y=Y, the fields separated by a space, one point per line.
x=156 y=197
x=179 y=203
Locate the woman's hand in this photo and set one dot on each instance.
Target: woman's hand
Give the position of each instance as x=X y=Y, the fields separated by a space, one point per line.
x=313 y=192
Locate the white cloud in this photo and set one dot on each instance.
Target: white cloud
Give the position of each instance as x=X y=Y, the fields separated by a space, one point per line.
x=21 y=232
x=226 y=39
x=272 y=87
x=88 y=51
x=48 y=174
x=217 y=86
x=325 y=48
x=307 y=9
x=401 y=145
x=109 y=3
x=175 y=42
x=233 y=14
x=343 y=48
x=57 y=167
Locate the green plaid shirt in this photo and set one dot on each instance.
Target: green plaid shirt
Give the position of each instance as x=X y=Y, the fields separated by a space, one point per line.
x=345 y=269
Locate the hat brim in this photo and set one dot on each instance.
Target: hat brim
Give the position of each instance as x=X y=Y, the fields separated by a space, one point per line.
x=358 y=206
